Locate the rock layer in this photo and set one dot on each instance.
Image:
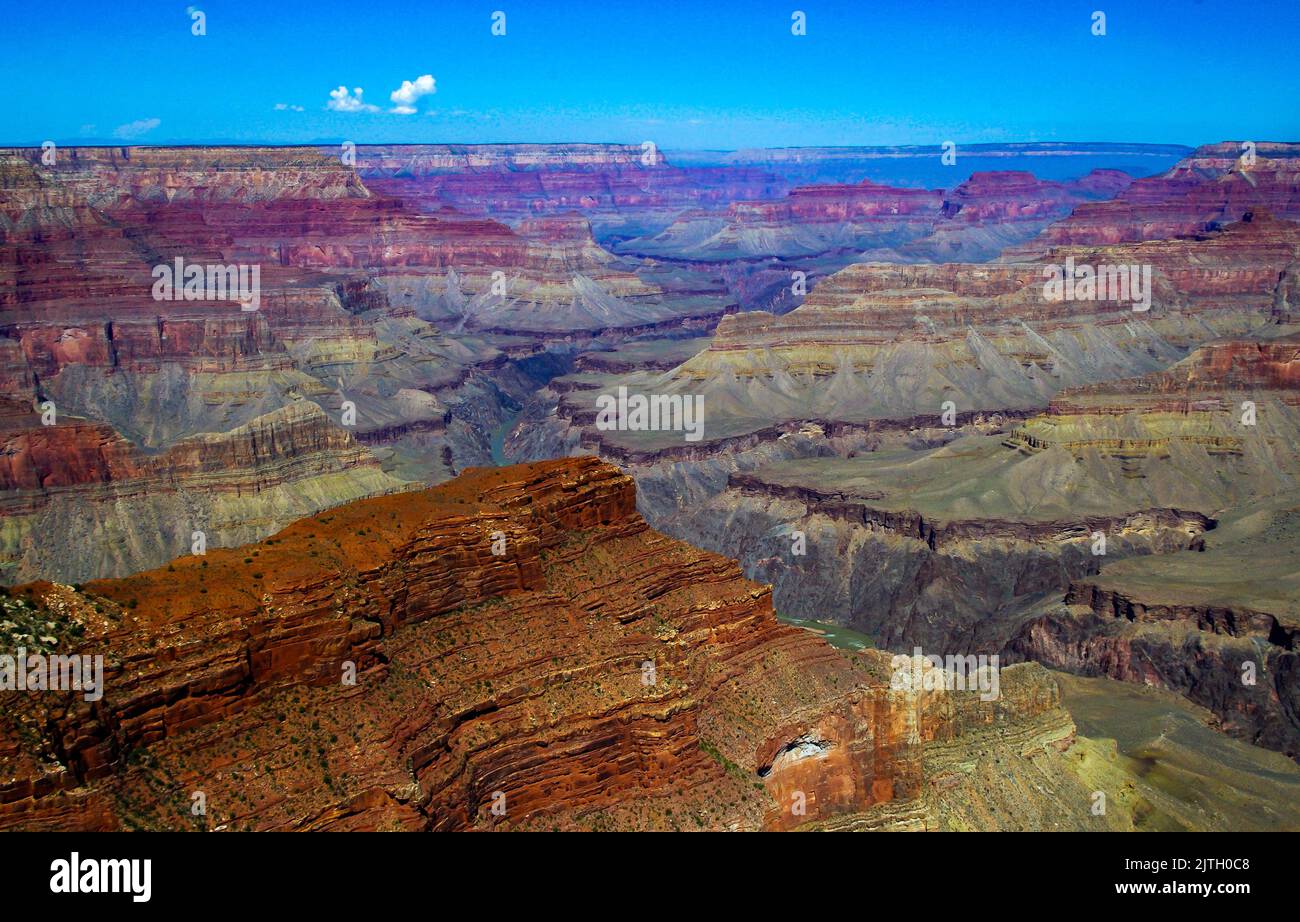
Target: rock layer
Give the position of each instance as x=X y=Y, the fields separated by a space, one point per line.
x=383 y=666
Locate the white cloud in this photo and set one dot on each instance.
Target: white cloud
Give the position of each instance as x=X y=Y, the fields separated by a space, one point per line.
x=342 y=101
x=137 y=128
x=287 y=107
x=410 y=92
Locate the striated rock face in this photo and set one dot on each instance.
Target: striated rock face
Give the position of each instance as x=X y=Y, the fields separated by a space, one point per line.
x=1233 y=400
x=301 y=208
x=1008 y=195
x=434 y=159
x=1213 y=186
x=879 y=341
x=827 y=468
x=107 y=177
x=1194 y=637
x=380 y=666
x=1237 y=364
x=975 y=221
x=79 y=501
x=623 y=188
x=350 y=281
x=995 y=210
x=1220 y=626
x=934 y=453
x=809 y=220
x=984 y=536
x=891 y=346
x=949 y=548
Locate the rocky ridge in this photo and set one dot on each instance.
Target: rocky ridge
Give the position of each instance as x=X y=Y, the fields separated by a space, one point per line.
x=661 y=693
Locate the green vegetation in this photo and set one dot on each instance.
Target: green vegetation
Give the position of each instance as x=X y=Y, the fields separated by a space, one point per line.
x=25 y=624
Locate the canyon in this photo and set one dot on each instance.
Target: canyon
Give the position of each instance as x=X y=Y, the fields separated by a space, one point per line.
x=904 y=436
x=388 y=665
x=927 y=453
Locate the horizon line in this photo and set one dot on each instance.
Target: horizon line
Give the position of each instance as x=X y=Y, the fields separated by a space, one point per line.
x=981 y=145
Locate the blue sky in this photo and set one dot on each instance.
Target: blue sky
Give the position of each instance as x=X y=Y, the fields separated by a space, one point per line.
x=685 y=75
